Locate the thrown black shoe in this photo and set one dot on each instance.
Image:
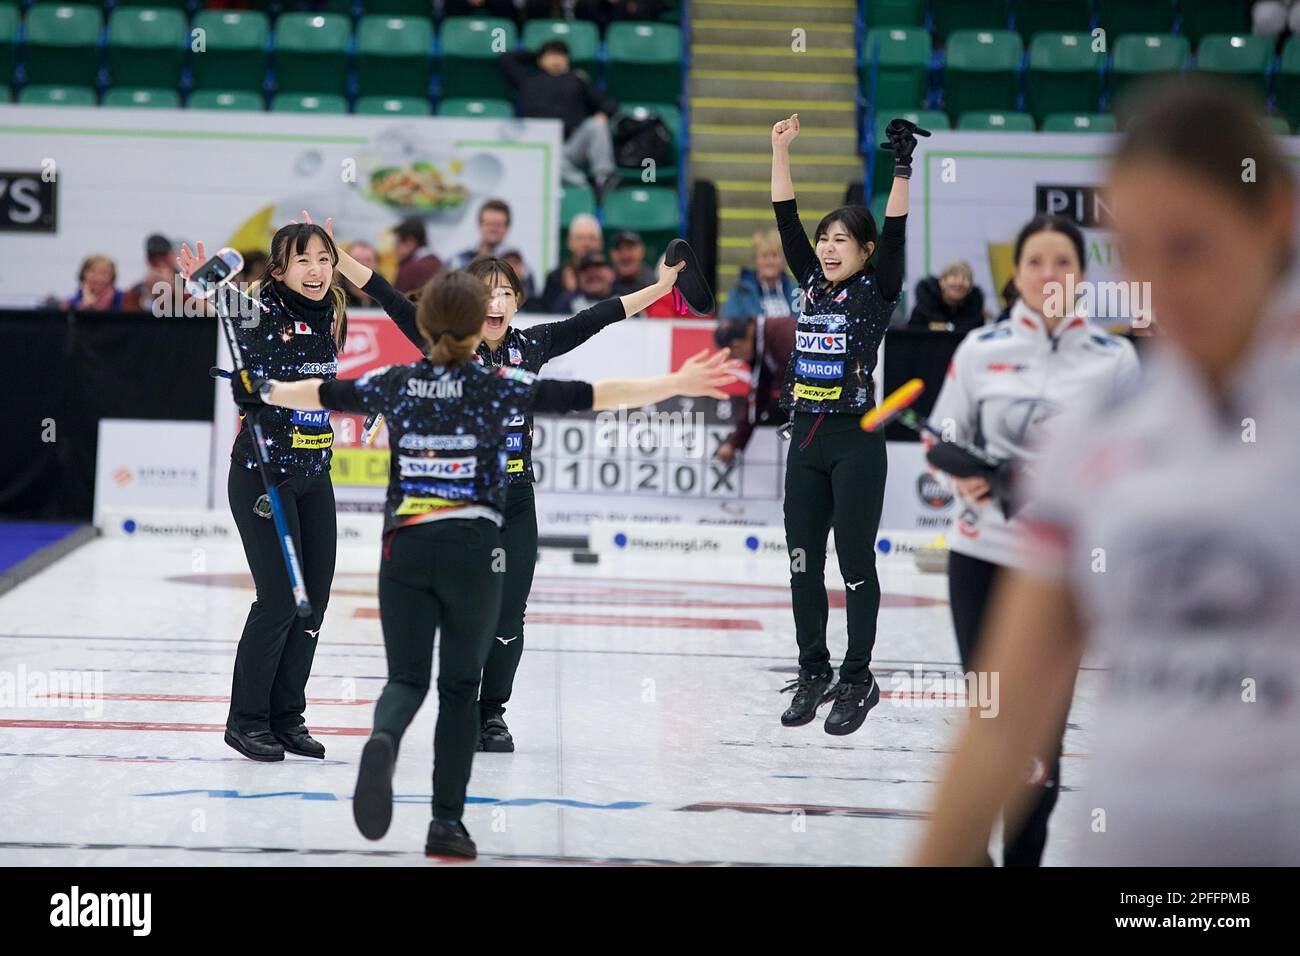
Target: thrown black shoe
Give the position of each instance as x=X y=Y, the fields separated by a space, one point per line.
x=372 y=803
x=494 y=736
x=852 y=704
x=298 y=741
x=447 y=840
x=809 y=694
x=255 y=745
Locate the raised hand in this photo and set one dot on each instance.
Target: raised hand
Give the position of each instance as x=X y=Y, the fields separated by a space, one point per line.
x=668 y=274
x=188 y=261
x=329 y=223
x=704 y=375
x=901 y=141
x=784 y=131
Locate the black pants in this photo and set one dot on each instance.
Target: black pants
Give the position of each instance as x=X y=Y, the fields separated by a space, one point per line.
x=970 y=582
x=519 y=539
x=834 y=478
x=277 y=647
x=439 y=577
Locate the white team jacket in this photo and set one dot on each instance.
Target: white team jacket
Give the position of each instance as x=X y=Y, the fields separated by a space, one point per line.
x=1004 y=386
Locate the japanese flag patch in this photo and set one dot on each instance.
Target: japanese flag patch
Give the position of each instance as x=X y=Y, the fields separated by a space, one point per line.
x=302 y=328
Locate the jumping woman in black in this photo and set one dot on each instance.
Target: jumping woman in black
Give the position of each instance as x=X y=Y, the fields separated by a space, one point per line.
x=296 y=330
x=528 y=349
x=448 y=416
x=835 y=472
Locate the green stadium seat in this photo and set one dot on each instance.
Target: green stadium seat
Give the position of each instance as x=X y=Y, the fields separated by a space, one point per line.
x=672 y=118
x=580 y=36
x=1052 y=16
x=648 y=210
x=896 y=13
x=574 y=200
x=1079 y=123
x=146 y=47
x=395 y=56
x=311 y=53
x=953 y=15
x=235 y=54
x=986 y=121
x=1118 y=17
x=8 y=39
x=1278 y=125
x=879 y=203
x=1287 y=81
x=1143 y=55
x=470 y=47
x=476 y=109
x=1203 y=17
x=226 y=100
x=5 y=95
x=643 y=61
x=143 y=98
x=393 y=106
x=883 y=171
x=1064 y=74
x=60 y=45
x=1242 y=55
x=49 y=95
x=982 y=70
x=170 y=4
x=903 y=70
x=308 y=103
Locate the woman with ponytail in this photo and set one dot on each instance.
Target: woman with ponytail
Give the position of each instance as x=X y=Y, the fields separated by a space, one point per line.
x=296 y=331
x=448 y=416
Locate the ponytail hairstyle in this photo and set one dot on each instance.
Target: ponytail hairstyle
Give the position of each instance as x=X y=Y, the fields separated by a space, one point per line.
x=292 y=240
x=449 y=314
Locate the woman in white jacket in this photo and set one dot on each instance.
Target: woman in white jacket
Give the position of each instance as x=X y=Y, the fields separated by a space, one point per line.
x=1005 y=387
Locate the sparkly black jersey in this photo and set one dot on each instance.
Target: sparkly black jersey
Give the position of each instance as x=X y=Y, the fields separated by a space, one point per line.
x=840 y=327
x=446 y=429
x=287 y=343
x=528 y=349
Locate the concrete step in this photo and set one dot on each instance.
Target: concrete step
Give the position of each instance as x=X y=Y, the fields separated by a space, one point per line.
x=746 y=137
x=749 y=166
x=815 y=37
x=777 y=11
x=831 y=63
x=757 y=194
x=774 y=85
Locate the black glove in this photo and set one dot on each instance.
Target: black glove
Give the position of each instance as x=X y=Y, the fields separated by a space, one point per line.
x=901 y=134
x=246 y=389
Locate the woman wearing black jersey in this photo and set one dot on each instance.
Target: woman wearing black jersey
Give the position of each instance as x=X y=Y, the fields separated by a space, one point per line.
x=297 y=329
x=447 y=418
x=530 y=349
x=835 y=472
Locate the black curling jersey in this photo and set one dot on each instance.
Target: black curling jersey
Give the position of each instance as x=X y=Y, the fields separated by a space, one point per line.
x=446 y=429
x=527 y=349
x=840 y=328
x=289 y=341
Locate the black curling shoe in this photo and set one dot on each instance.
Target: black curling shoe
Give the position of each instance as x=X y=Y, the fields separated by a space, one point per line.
x=372 y=803
x=494 y=735
x=852 y=704
x=298 y=741
x=256 y=745
x=449 y=840
x=809 y=694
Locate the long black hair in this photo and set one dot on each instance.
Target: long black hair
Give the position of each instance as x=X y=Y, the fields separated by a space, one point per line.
x=292 y=240
x=857 y=222
x=1046 y=222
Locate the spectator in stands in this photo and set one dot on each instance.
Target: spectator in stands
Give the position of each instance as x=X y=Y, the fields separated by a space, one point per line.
x=595 y=282
x=584 y=236
x=1272 y=18
x=552 y=90
x=365 y=254
x=950 y=302
x=416 y=263
x=516 y=260
x=766 y=289
x=97 y=286
x=605 y=12
x=630 y=271
x=510 y=9
x=157 y=292
x=766 y=344
x=493 y=224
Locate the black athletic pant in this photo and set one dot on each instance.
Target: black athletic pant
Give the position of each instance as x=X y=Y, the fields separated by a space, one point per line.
x=276 y=649
x=970 y=582
x=519 y=538
x=439 y=578
x=834 y=478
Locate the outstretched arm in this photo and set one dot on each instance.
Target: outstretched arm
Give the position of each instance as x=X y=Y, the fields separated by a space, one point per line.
x=700 y=375
x=566 y=335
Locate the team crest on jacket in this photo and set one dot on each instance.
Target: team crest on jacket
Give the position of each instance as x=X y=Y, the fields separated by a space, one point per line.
x=516 y=356
x=844 y=294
